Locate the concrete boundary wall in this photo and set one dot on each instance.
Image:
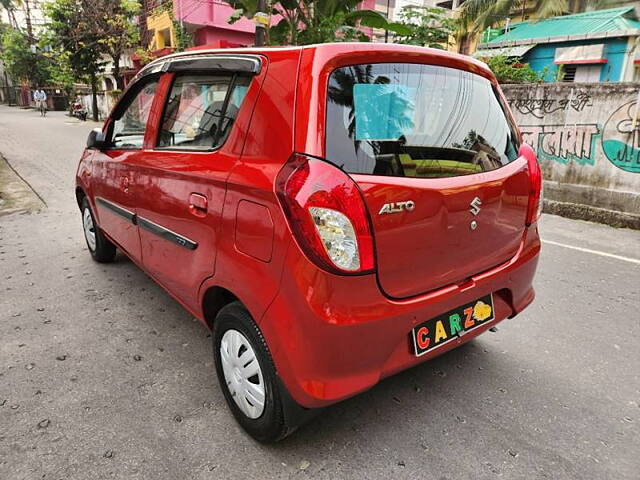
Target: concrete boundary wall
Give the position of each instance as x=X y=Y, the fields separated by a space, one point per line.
x=105 y=103
x=587 y=136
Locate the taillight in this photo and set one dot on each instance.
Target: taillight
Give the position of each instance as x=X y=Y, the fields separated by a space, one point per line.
x=327 y=215
x=534 y=208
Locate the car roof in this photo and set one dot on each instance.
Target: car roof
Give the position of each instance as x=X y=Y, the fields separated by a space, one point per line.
x=325 y=50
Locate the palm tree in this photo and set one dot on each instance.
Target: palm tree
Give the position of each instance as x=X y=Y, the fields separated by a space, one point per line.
x=477 y=15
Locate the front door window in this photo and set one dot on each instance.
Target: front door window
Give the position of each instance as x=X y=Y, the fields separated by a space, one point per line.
x=128 y=129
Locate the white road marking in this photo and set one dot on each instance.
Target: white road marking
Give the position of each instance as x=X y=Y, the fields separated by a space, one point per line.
x=594 y=252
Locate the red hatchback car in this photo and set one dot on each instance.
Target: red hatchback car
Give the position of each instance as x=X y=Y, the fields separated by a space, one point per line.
x=334 y=213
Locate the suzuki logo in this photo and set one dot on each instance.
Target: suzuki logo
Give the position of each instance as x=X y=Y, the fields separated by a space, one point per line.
x=397 y=207
x=474 y=206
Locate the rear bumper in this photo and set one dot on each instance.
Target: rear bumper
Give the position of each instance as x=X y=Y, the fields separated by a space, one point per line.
x=334 y=336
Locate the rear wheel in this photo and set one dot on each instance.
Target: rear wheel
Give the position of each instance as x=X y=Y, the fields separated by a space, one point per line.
x=101 y=249
x=247 y=375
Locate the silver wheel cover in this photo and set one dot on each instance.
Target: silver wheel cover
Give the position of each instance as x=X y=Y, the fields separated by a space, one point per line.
x=89 y=229
x=242 y=373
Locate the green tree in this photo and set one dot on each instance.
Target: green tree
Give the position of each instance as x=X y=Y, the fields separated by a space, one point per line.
x=58 y=66
x=510 y=70
x=316 y=21
x=118 y=30
x=429 y=26
x=83 y=32
x=22 y=63
x=72 y=31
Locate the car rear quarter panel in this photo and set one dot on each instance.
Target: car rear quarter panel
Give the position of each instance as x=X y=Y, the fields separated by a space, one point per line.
x=243 y=266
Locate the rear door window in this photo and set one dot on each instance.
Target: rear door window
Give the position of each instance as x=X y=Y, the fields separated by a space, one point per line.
x=200 y=111
x=413 y=120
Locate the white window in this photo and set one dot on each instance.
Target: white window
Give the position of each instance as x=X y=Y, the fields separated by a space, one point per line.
x=588 y=73
x=582 y=73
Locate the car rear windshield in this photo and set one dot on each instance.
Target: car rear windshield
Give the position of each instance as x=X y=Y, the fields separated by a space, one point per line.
x=412 y=120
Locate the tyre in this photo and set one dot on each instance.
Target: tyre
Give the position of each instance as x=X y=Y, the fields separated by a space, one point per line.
x=101 y=249
x=247 y=375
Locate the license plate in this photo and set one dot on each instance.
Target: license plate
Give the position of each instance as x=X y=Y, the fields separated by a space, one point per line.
x=448 y=326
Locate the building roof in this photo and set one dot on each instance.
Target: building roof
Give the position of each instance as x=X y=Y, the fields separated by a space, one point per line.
x=593 y=22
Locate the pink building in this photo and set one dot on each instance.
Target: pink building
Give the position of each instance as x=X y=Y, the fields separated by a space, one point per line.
x=208 y=21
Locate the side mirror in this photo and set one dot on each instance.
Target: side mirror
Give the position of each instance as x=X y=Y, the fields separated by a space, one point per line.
x=96 y=139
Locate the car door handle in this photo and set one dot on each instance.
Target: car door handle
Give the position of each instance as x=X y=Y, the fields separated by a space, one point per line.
x=198 y=204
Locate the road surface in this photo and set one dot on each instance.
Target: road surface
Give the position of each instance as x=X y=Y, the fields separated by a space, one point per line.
x=103 y=375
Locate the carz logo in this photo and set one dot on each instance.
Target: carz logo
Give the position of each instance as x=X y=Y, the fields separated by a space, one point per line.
x=397 y=207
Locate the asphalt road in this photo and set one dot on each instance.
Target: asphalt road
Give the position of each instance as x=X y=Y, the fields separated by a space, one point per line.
x=103 y=375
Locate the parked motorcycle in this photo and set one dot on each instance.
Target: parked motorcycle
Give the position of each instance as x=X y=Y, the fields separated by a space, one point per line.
x=77 y=110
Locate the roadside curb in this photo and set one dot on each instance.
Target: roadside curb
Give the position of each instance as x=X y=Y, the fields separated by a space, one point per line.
x=16 y=194
x=593 y=214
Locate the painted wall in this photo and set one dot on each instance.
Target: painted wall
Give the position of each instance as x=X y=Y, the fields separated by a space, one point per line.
x=213 y=36
x=158 y=24
x=211 y=13
x=587 y=137
x=208 y=20
x=615 y=51
x=7 y=92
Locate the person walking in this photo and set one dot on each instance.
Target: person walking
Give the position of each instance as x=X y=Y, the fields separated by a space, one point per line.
x=40 y=97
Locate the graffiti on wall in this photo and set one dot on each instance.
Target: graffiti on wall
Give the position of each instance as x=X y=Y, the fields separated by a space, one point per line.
x=563 y=143
x=540 y=107
x=621 y=138
x=570 y=142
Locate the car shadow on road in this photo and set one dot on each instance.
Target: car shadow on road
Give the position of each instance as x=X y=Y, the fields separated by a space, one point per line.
x=397 y=401
x=425 y=402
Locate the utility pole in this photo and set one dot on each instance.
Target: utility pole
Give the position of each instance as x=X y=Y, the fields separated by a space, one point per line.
x=261 y=27
x=386 y=32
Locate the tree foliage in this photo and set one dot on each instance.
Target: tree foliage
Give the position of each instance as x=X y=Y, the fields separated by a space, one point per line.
x=510 y=70
x=22 y=64
x=119 y=32
x=429 y=27
x=85 y=31
x=72 y=31
x=89 y=29
x=58 y=66
x=316 y=21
